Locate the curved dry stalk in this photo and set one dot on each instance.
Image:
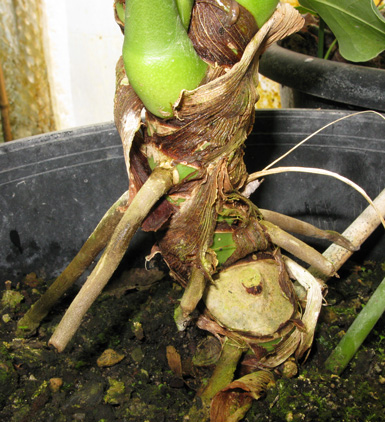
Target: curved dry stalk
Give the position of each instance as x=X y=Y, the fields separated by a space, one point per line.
x=294 y=225
x=313 y=303
x=320 y=130
x=254 y=176
x=361 y=228
x=159 y=182
x=96 y=242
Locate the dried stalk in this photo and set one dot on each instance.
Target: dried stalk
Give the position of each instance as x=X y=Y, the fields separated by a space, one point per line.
x=160 y=181
x=296 y=226
x=259 y=174
x=298 y=248
x=361 y=228
x=4 y=106
x=83 y=259
x=193 y=292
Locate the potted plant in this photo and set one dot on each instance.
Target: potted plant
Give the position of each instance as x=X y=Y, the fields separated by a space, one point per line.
x=309 y=81
x=184 y=152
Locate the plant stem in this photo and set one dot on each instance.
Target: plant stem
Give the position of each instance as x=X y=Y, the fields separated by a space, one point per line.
x=321 y=38
x=222 y=376
x=4 y=108
x=159 y=57
x=83 y=259
x=327 y=54
x=357 y=332
x=159 y=182
x=298 y=248
x=185 y=9
x=193 y=292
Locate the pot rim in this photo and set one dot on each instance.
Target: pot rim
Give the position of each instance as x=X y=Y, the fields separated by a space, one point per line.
x=346 y=83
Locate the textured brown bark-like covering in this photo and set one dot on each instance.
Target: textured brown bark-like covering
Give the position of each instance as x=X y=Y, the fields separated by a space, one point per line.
x=206 y=136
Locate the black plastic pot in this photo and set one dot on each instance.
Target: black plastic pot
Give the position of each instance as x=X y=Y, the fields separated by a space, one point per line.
x=309 y=82
x=54 y=188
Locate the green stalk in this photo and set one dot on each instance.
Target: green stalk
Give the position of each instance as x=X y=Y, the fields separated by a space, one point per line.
x=120 y=11
x=327 y=54
x=260 y=9
x=321 y=38
x=357 y=332
x=184 y=9
x=159 y=58
x=222 y=376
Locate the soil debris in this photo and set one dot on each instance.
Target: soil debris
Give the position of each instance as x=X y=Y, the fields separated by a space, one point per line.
x=38 y=384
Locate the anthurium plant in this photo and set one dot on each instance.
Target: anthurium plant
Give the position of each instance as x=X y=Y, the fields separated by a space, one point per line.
x=186 y=88
x=358 y=26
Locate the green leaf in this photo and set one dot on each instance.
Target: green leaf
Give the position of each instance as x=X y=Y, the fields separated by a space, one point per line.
x=357 y=24
x=224 y=246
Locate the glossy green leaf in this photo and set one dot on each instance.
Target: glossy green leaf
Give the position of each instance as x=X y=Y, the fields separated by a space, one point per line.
x=357 y=24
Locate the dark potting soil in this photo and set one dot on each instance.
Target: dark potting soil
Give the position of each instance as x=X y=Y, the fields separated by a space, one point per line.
x=136 y=322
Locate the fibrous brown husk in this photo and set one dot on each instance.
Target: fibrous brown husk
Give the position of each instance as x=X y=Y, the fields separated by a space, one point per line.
x=207 y=134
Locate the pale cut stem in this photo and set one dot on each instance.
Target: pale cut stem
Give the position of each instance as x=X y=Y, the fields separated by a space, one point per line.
x=96 y=242
x=159 y=182
x=361 y=228
x=191 y=296
x=193 y=292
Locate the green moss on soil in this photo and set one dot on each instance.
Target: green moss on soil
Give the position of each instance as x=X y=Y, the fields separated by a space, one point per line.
x=145 y=388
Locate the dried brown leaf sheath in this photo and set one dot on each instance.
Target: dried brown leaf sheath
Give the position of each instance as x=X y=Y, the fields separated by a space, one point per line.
x=207 y=134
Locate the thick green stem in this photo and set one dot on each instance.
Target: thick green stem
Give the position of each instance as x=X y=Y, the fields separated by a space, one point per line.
x=159 y=57
x=184 y=9
x=357 y=332
x=260 y=9
x=83 y=259
x=159 y=182
x=224 y=370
